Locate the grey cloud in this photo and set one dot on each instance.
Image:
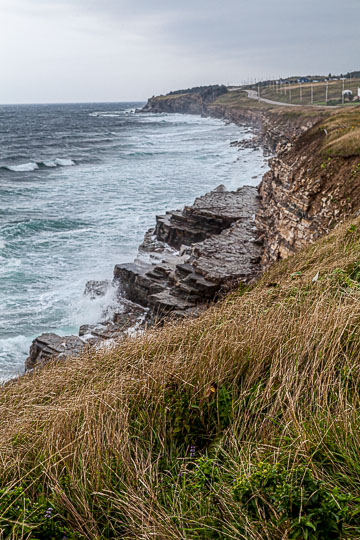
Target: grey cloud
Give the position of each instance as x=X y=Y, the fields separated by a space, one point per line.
x=157 y=45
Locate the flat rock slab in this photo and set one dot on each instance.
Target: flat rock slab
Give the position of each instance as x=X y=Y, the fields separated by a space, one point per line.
x=225 y=206
x=49 y=345
x=233 y=255
x=208 y=216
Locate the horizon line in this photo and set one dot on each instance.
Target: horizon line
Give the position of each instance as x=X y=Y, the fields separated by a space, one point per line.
x=70 y=102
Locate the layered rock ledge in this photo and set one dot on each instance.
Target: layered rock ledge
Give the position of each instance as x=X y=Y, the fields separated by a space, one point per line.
x=194 y=254
x=188 y=259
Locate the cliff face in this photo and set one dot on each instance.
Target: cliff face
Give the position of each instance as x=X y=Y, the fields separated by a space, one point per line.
x=189 y=102
x=276 y=126
x=307 y=191
x=314 y=179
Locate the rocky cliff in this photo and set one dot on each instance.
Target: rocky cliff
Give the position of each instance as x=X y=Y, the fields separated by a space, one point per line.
x=193 y=101
x=313 y=184
x=189 y=258
x=193 y=255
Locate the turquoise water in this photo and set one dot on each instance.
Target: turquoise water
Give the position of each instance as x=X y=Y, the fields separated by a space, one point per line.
x=79 y=186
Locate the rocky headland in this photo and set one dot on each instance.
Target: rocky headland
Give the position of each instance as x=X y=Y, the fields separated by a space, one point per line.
x=192 y=256
x=186 y=260
x=191 y=101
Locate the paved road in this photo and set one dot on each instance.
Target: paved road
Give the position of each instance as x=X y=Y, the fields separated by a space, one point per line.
x=252 y=94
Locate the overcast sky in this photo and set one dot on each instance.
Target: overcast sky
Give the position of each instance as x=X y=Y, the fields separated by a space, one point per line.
x=120 y=50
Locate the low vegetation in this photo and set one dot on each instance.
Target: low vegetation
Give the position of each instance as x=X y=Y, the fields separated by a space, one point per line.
x=316 y=93
x=243 y=423
x=343 y=133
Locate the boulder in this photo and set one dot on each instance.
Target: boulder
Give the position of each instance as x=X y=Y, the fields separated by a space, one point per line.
x=49 y=346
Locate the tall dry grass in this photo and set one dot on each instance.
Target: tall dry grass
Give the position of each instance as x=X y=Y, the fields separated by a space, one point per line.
x=269 y=374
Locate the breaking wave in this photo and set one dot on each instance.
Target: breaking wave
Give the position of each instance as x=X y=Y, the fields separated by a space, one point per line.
x=35 y=165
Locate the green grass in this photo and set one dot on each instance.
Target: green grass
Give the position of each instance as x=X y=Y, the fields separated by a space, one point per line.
x=242 y=423
x=319 y=92
x=342 y=133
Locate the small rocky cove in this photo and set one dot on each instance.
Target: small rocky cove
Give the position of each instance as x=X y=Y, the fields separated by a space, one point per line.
x=188 y=259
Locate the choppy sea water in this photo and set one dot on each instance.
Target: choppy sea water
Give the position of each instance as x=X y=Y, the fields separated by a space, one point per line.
x=79 y=186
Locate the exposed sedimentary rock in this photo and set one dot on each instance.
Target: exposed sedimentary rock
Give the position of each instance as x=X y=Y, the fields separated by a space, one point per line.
x=304 y=194
x=217 y=246
x=184 y=262
x=48 y=346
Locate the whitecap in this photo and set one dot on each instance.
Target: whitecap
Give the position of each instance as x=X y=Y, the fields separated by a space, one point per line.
x=92 y=311
x=64 y=162
x=24 y=167
x=48 y=163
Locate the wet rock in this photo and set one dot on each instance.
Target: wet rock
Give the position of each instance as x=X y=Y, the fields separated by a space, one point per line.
x=49 y=346
x=214 y=246
x=208 y=216
x=185 y=261
x=130 y=317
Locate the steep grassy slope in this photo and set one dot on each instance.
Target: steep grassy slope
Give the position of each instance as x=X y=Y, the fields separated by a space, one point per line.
x=243 y=423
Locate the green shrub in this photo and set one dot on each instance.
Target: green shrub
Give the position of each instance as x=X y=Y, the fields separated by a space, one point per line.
x=21 y=517
x=294 y=498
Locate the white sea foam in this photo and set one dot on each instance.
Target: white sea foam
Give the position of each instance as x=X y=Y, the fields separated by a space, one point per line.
x=13 y=347
x=24 y=167
x=64 y=162
x=48 y=163
x=92 y=311
x=34 y=165
x=112 y=114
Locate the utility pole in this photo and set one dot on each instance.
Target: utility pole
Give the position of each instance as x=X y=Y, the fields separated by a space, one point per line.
x=343 y=90
x=300 y=92
x=259 y=92
x=327 y=92
x=290 y=91
x=312 y=95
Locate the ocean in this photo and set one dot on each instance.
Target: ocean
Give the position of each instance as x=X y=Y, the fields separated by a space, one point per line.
x=79 y=186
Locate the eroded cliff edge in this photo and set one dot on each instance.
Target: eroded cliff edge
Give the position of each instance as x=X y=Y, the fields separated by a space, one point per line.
x=312 y=185
x=193 y=255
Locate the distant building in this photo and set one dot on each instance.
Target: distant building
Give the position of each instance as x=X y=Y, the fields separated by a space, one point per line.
x=303 y=80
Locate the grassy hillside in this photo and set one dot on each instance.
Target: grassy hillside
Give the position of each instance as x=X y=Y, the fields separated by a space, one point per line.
x=243 y=423
x=301 y=94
